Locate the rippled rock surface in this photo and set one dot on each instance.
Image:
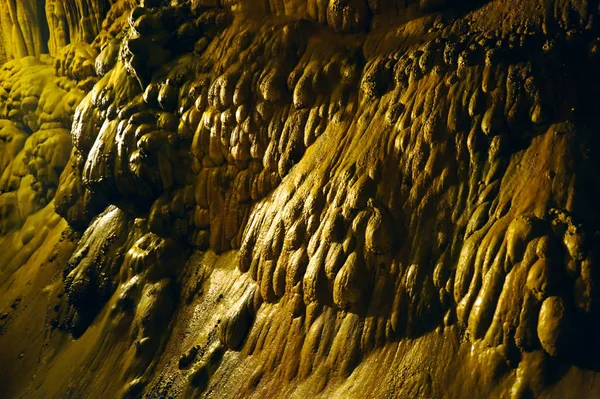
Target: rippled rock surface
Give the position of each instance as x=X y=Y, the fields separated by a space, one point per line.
x=337 y=198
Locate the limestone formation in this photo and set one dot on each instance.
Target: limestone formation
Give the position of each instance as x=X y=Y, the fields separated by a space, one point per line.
x=322 y=198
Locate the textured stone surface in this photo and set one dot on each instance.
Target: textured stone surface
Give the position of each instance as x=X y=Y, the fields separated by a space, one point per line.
x=299 y=199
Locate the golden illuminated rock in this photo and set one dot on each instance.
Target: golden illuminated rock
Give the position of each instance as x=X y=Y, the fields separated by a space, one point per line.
x=341 y=198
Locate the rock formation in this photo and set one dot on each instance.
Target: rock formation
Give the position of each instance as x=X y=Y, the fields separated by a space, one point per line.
x=322 y=198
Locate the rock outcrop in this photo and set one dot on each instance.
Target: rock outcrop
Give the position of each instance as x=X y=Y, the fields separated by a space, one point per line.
x=336 y=198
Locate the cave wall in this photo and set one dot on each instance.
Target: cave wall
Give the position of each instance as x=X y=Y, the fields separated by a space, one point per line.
x=23 y=28
x=334 y=199
x=33 y=28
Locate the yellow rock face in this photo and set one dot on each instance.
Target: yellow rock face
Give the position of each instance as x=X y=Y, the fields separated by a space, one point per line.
x=338 y=198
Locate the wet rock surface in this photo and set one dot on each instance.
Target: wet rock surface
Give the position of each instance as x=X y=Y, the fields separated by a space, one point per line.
x=322 y=198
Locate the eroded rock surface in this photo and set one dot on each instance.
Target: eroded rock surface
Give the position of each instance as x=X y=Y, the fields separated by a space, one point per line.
x=297 y=199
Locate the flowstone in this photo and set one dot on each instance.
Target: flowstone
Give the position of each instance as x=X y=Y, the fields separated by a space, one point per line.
x=299 y=199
